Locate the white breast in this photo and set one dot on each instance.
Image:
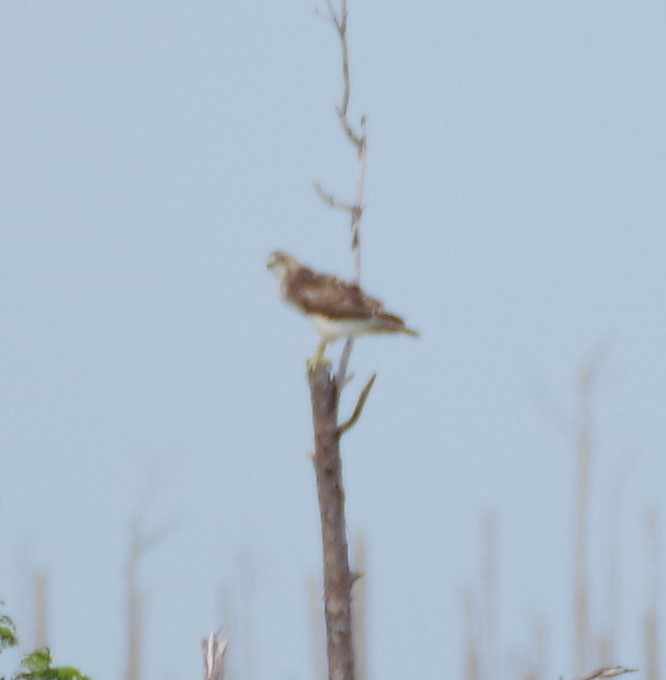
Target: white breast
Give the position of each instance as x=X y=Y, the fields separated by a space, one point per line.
x=332 y=329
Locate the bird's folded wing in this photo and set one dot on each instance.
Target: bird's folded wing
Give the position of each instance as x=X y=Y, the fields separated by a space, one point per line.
x=330 y=296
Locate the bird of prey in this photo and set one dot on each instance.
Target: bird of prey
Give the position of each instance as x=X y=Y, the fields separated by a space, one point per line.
x=338 y=309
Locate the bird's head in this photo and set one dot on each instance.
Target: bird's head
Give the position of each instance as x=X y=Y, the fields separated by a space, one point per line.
x=281 y=264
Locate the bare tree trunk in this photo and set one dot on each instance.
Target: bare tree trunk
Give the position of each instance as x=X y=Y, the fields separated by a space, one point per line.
x=337 y=575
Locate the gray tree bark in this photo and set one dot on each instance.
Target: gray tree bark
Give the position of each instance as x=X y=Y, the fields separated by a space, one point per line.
x=338 y=578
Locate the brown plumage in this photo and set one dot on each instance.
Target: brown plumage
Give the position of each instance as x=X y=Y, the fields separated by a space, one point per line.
x=338 y=308
x=328 y=295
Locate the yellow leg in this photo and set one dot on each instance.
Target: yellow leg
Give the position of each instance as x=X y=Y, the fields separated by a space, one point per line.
x=318 y=357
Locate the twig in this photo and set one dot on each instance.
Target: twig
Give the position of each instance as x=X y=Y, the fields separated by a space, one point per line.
x=333 y=202
x=609 y=672
x=358 y=409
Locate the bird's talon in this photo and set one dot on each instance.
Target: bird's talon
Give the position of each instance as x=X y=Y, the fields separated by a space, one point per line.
x=315 y=361
x=318 y=359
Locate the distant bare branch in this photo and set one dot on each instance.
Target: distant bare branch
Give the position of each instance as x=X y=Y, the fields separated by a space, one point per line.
x=584 y=447
x=214 y=649
x=140 y=543
x=334 y=17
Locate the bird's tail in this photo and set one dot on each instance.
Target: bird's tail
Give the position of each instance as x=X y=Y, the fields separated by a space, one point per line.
x=394 y=324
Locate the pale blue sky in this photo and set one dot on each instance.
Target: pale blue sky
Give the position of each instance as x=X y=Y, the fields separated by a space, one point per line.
x=153 y=152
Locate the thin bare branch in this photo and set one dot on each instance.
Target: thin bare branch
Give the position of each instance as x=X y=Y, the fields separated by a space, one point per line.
x=356 y=139
x=333 y=202
x=340 y=23
x=358 y=409
x=341 y=377
x=359 y=139
x=355 y=209
x=358 y=204
x=334 y=17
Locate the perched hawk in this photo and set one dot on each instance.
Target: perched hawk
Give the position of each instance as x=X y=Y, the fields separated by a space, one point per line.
x=338 y=309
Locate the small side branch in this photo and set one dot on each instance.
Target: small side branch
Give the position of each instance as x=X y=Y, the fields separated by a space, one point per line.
x=333 y=202
x=609 y=672
x=358 y=409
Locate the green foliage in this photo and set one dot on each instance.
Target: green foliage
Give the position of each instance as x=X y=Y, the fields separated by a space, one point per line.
x=35 y=666
x=7 y=631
